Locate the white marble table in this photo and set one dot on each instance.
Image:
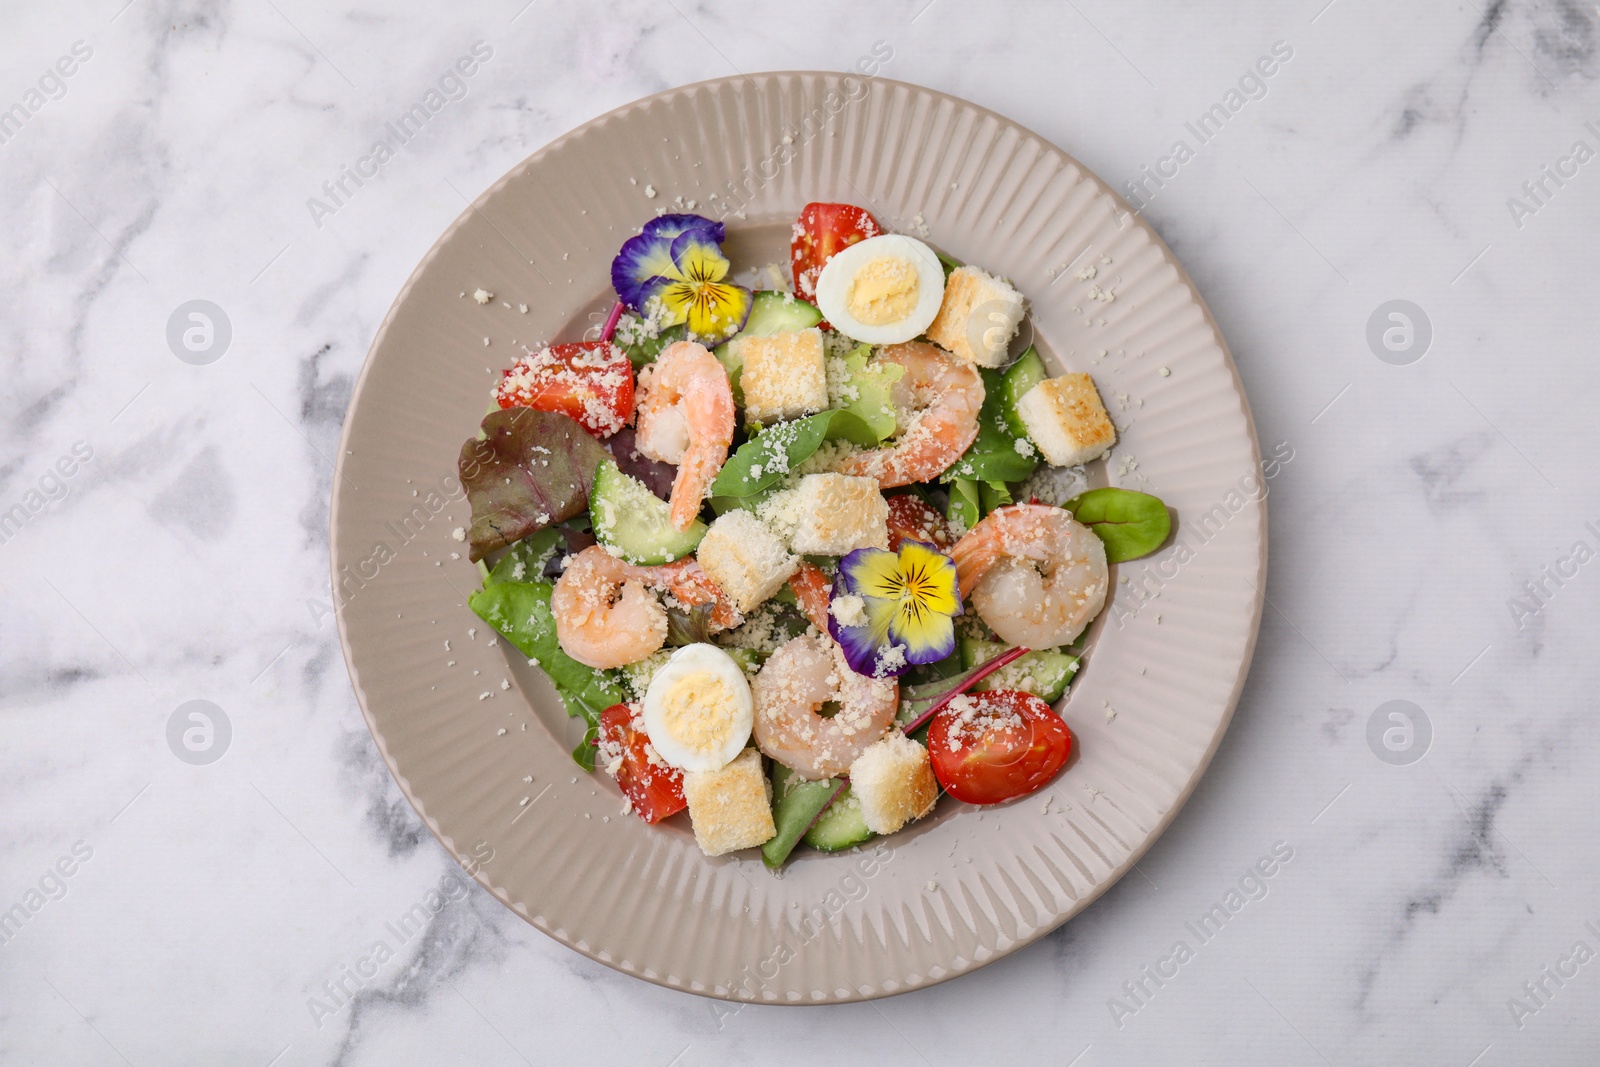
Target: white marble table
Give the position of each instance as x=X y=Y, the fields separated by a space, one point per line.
x=169 y=537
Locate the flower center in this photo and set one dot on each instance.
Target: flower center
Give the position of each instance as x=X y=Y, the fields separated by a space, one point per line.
x=916 y=591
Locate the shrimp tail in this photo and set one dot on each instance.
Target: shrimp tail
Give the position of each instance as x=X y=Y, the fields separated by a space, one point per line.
x=689 y=583
x=686 y=498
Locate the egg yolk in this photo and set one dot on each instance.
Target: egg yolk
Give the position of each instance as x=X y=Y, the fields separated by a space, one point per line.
x=883 y=291
x=699 y=710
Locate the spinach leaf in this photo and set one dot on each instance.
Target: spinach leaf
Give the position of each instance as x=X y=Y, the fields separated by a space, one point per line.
x=971 y=500
x=795 y=806
x=762 y=461
x=993 y=456
x=1132 y=524
x=993 y=495
x=965 y=507
x=530 y=469
x=724 y=504
x=520 y=611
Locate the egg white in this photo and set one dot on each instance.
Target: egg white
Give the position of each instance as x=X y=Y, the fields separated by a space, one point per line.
x=734 y=722
x=833 y=288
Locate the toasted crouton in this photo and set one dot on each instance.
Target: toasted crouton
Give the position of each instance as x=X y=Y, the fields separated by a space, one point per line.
x=745 y=558
x=893 y=780
x=785 y=375
x=730 y=808
x=979 y=316
x=839 y=513
x=1067 y=420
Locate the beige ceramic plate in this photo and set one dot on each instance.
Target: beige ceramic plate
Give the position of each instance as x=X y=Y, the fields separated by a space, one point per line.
x=487 y=766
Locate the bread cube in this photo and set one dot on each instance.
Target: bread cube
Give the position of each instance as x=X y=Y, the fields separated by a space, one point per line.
x=745 y=558
x=893 y=780
x=730 y=808
x=785 y=375
x=839 y=513
x=978 y=318
x=1067 y=420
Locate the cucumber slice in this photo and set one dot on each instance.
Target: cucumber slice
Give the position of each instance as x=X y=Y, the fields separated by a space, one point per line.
x=771 y=311
x=636 y=523
x=1027 y=372
x=1045 y=672
x=775 y=311
x=646 y=349
x=795 y=804
x=841 y=826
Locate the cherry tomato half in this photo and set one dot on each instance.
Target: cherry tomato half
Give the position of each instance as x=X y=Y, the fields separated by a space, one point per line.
x=821 y=231
x=913 y=519
x=990 y=747
x=655 y=789
x=592 y=381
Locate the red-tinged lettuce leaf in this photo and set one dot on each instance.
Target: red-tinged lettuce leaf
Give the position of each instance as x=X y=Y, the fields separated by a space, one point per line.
x=575 y=541
x=657 y=477
x=529 y=470
x=690 y=627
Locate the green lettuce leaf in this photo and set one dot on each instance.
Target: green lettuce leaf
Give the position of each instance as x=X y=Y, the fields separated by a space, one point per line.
x=692 y=627
x=525 y=562
x=868 y=389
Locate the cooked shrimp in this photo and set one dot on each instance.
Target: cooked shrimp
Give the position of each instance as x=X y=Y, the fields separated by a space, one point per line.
x=796 y=681
x=936 y=402
x=689 y=584
x=686 y=417
x=605 y=614
x=1034 y=573
x=812 y=591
